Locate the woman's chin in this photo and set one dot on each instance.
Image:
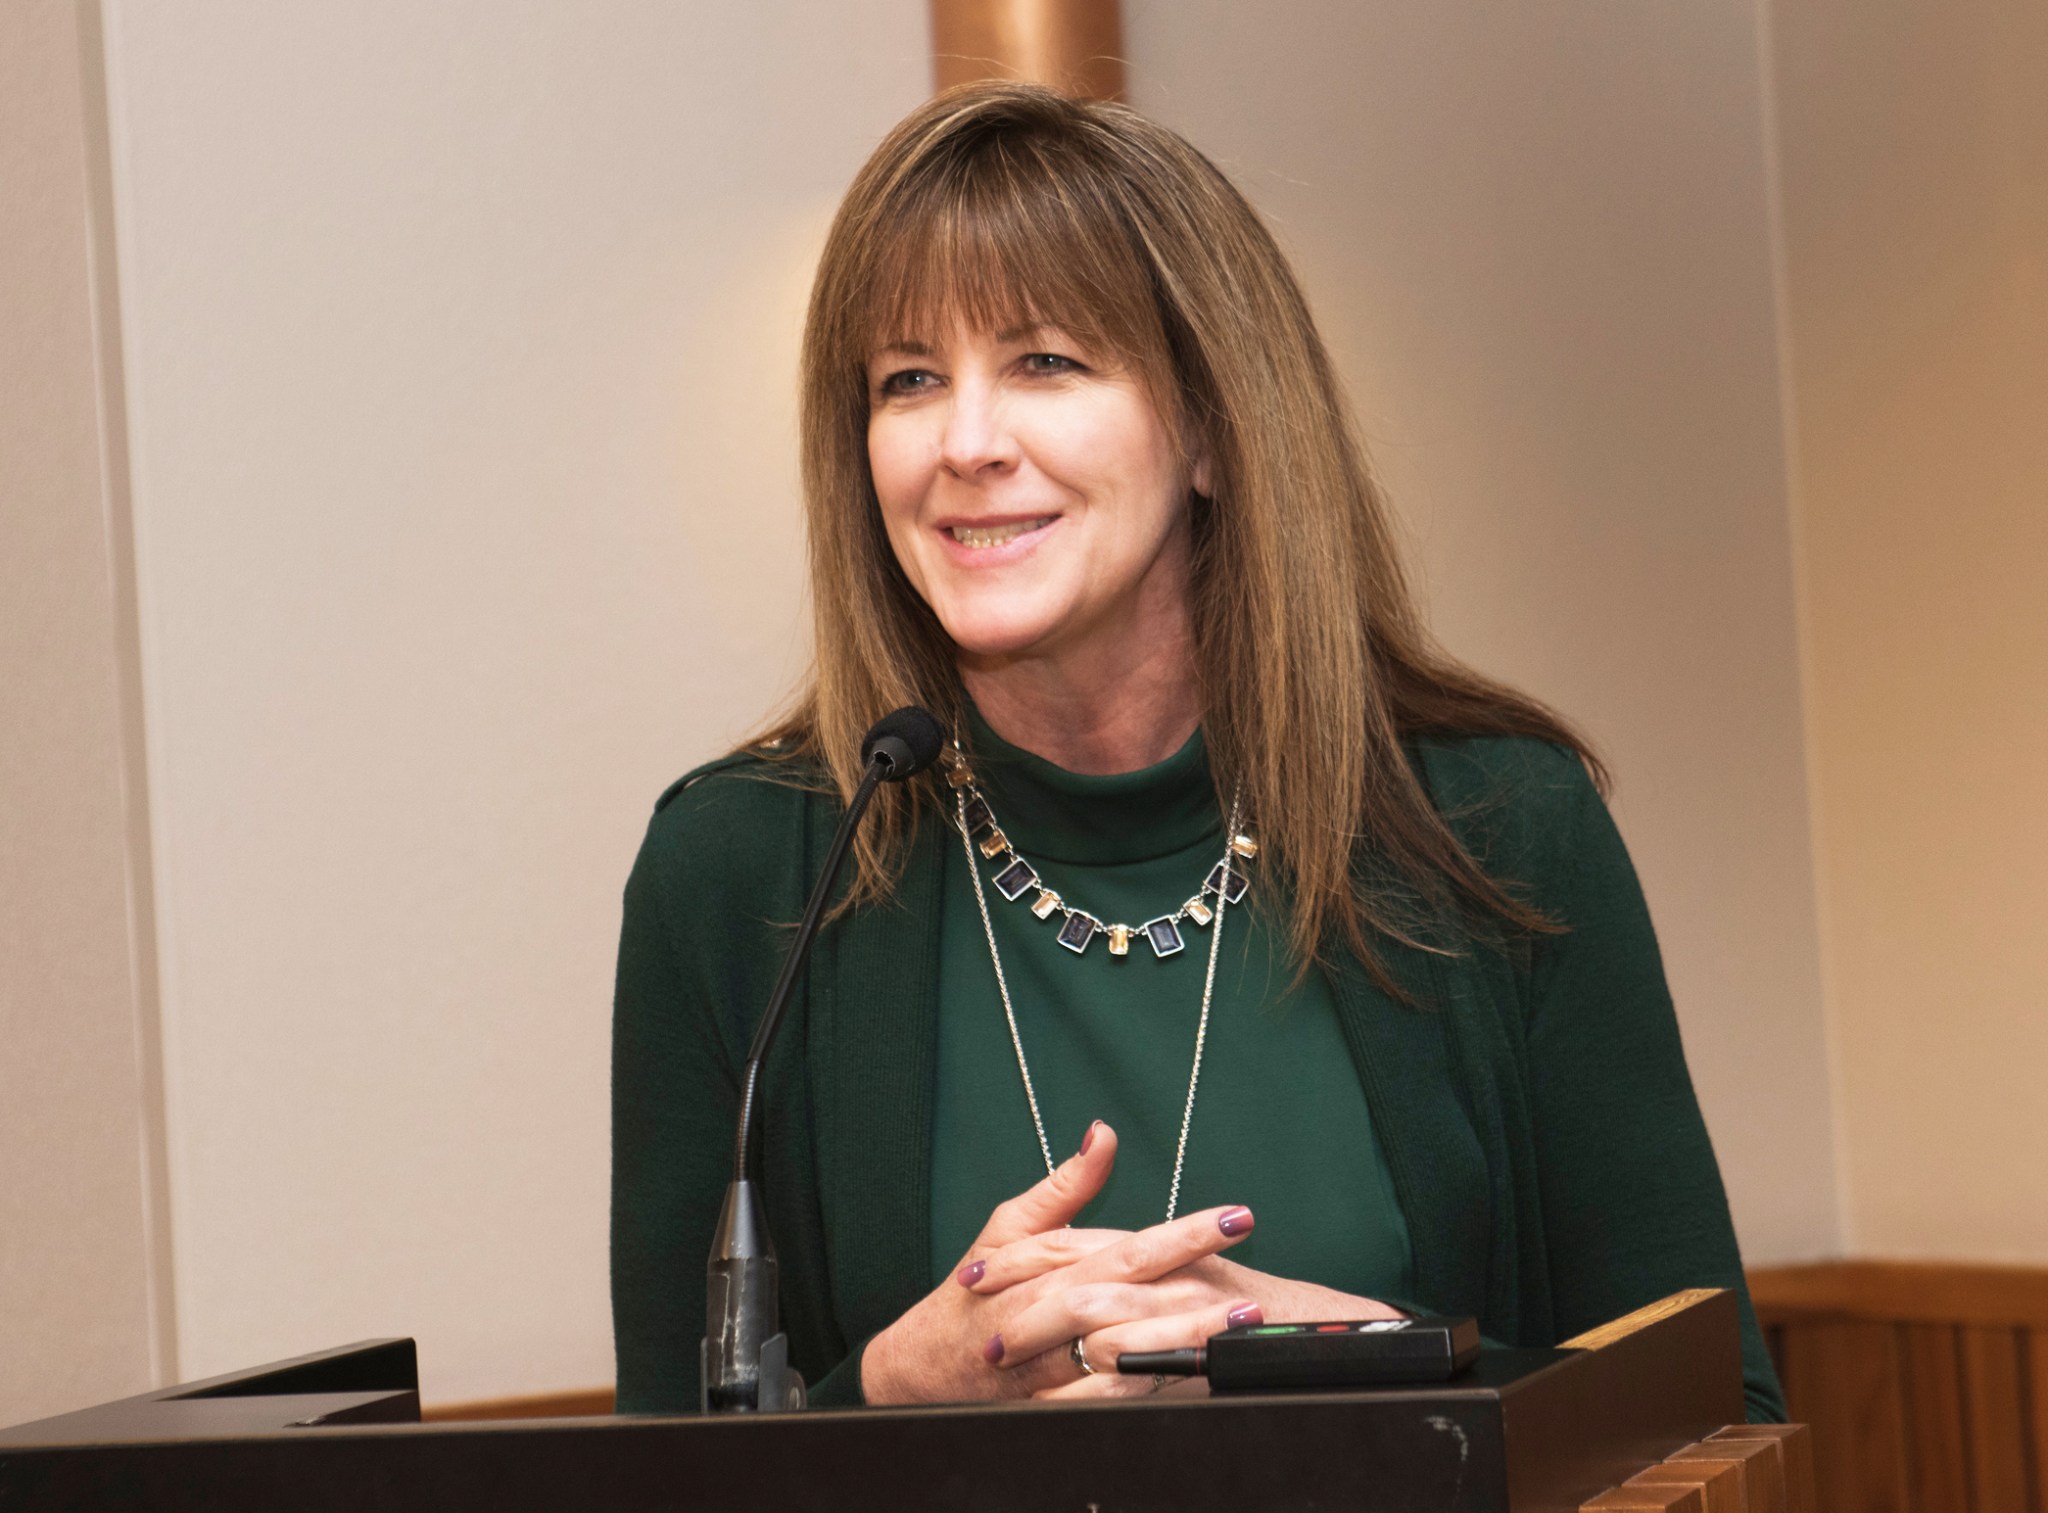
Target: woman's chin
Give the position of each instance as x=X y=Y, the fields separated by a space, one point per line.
x=995 y=638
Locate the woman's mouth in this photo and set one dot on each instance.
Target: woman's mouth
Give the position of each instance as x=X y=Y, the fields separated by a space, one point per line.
x=979 y=536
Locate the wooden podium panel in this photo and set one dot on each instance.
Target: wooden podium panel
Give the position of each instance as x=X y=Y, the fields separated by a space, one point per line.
x=1719 y=1483
x=1525 y=1430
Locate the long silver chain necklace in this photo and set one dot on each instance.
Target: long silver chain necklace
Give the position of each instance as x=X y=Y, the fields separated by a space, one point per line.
x=1228 y=886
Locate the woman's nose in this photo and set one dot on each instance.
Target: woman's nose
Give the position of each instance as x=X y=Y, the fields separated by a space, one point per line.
x=975 y=440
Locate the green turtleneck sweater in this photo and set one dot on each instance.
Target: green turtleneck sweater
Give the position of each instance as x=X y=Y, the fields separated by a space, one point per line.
x=1528 y=1096
x=1280 y=1121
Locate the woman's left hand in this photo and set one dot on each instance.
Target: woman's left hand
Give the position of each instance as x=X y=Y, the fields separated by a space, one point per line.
x=1190 y=1304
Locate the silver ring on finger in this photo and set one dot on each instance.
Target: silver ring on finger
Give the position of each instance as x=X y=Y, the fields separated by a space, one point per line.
x=1078 y=1354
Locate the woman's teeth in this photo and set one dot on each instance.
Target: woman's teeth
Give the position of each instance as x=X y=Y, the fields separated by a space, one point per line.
x=995 y=535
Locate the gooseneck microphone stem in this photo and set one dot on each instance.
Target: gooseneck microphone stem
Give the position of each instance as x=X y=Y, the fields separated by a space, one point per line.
x=743 y=1362
x=743 y=1155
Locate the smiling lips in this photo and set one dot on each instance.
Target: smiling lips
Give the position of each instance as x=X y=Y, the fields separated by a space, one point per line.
x=996 y=535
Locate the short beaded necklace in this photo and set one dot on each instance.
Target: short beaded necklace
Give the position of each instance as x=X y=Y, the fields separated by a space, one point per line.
x=1014 y=877
x=1226 y=883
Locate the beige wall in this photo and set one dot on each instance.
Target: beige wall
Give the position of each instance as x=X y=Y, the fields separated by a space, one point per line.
x=1539 y=240
x=461 y=346
x=83 y=1273
x=1915 y=171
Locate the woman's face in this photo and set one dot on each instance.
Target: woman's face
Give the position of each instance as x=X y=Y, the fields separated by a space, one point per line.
x=1031 y=491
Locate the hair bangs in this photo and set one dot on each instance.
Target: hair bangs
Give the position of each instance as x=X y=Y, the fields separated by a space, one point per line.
x=1005 y=239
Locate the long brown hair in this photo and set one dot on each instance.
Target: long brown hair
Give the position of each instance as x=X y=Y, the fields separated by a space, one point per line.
x=1006 y=205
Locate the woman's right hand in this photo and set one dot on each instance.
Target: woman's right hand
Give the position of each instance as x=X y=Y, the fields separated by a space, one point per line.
x=933 y=1354
x=949 y=1347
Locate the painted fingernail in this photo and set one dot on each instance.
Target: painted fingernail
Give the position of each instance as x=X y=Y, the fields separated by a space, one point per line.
x=1089 y=1138
x=1235 y=1221
x=992 y=1352
x=1250 y=1313
x=971 y=1273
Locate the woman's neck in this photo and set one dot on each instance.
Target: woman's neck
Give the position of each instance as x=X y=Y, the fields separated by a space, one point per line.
x=1115 y=710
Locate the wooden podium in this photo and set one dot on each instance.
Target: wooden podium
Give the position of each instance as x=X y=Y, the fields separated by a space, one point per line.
x=1522 y=1430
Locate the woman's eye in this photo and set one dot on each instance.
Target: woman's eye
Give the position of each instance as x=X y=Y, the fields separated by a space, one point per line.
x=1049 y=362
x=908 y=381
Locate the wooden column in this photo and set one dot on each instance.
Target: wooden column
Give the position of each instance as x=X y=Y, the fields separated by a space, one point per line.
x=1075 y=46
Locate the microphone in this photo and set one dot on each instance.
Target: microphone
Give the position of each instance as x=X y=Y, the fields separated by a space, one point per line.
x=909 y=740
x=744 y=1358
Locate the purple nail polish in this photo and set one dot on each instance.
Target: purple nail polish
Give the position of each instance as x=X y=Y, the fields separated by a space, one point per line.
x=992 y=1352
x=971 y=1273
x=1250 y=1313
x=1235 y=1221
x=1089 y=1138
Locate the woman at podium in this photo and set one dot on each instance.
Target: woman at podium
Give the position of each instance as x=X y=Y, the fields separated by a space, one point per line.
x=1248 y=957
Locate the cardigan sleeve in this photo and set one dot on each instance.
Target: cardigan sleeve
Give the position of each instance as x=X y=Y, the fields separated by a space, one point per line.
x=704 y=927
x=674 y=1098
x=696 y=954
x=1633 y=1207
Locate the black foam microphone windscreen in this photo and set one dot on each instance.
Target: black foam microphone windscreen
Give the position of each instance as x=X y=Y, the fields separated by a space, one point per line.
x=907 y=739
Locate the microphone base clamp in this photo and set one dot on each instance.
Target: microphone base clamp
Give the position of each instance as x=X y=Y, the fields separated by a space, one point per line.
x=786 y=1396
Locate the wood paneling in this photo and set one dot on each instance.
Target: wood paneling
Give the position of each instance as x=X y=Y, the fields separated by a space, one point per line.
x=1932 y=1391
x=1719 y=1482
x=1995 y=1417
x=1746 y=1468
x=1794 y=1446
x=1926 y=1383
x=1763 y=1490
x=1649 y=1498
x=1903 y=1292
x=2034 y=1355
x=1843 y=1378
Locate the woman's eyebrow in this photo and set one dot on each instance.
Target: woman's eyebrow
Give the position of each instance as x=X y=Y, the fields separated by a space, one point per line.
x=910 y=346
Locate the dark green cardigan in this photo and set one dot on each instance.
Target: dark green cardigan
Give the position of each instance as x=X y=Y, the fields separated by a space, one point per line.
x=1533 y=1099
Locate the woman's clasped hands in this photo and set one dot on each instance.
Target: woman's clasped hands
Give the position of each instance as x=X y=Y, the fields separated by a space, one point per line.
x=1037 y=1309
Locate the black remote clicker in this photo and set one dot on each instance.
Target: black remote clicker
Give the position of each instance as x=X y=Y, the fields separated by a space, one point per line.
x=1353 y=1353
